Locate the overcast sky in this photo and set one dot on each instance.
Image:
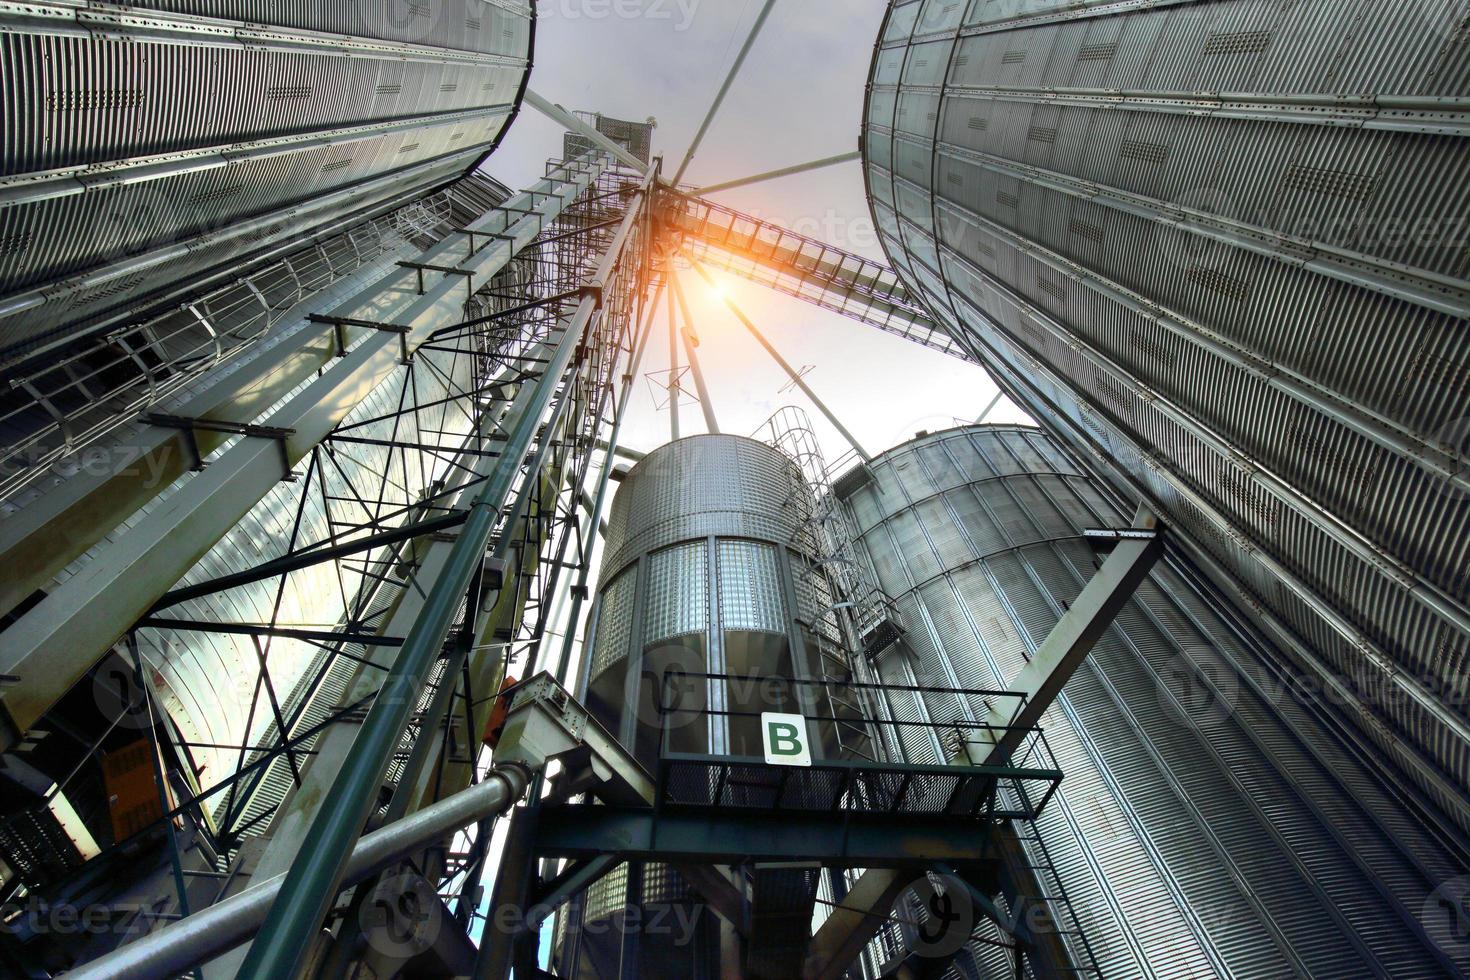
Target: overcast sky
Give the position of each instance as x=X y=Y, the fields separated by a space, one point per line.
x=799 y=97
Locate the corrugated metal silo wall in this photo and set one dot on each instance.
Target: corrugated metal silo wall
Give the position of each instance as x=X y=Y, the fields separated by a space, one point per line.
x=1208 y=823
x=1219 y=249
x=142 y=143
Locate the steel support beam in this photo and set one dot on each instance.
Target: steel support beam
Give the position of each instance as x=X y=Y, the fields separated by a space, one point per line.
x=800 y=168
x=562 y=117
x=791 y=372
x=1040 y=681
x=178 y=947
x=853 y=924
x=691 y=341
x=714 y=109
x=313 y=881
x=596 y=507
x=733 y=836
x=1068 y=644
x=55 y=643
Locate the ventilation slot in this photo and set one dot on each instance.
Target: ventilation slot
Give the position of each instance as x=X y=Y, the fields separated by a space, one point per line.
x=107 y=292
x=1094 y=426
x=1151 y=152
x=472 y=23
x=1154 y=350
x=1042 y=134
x=418 y=8
x=1218 y=282
x=456 y=136
x=1013 y=57
x=1091 y=232
x=1331 y=461
x=408 y=148
x=1440 y=371
x=1032 y=329
x=979 y=124
x=1051 y=287
x=986 y=250
x=390 y=89
x=335 y=165
x=218 y=194
x=449 y=87
x=1333 y=183
x=955 y=179
x=94 y=99
x=961 y=61
x=1246 y=496
x=15 y=244
x=1115 y=395
x=1245 y=42
x=1008 y=200
x=288 y=92
x=1097 y=52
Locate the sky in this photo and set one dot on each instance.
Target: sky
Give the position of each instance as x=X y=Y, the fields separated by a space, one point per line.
x=798 y=98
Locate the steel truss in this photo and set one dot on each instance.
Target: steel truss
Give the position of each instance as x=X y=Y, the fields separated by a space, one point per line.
x=493 y=367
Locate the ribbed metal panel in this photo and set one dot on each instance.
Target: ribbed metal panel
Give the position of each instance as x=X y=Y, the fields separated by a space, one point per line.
x=160 y=129
x=1212 y=820
x=728 y=486
x=1219 y=248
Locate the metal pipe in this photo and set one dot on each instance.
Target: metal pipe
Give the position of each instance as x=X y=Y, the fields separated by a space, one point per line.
x=799 y=168
x=690 y=342
x=674 y=391
x=181 y=945
x=560 y=116
x=791 y=372
x=714 y=109
x=999 y=394
x=611 y=447
x=313 y=882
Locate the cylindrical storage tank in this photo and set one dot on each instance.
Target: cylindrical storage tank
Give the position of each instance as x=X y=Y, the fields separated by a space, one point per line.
x=706 y=570
x=709 y=569
x=1222 y=244
x=1213 y=821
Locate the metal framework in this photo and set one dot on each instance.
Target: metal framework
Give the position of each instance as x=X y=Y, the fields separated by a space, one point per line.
x=408 y=469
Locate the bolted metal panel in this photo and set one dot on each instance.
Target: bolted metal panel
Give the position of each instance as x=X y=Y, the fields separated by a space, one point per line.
x=750 y=587
x=1212 y=822
x=1218 y=248
x=678 y=591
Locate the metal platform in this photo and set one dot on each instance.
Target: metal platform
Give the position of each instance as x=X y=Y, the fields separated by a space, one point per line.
x=1018 y=790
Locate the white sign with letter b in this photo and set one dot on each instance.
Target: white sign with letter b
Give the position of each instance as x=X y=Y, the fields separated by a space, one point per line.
x=784 y=737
